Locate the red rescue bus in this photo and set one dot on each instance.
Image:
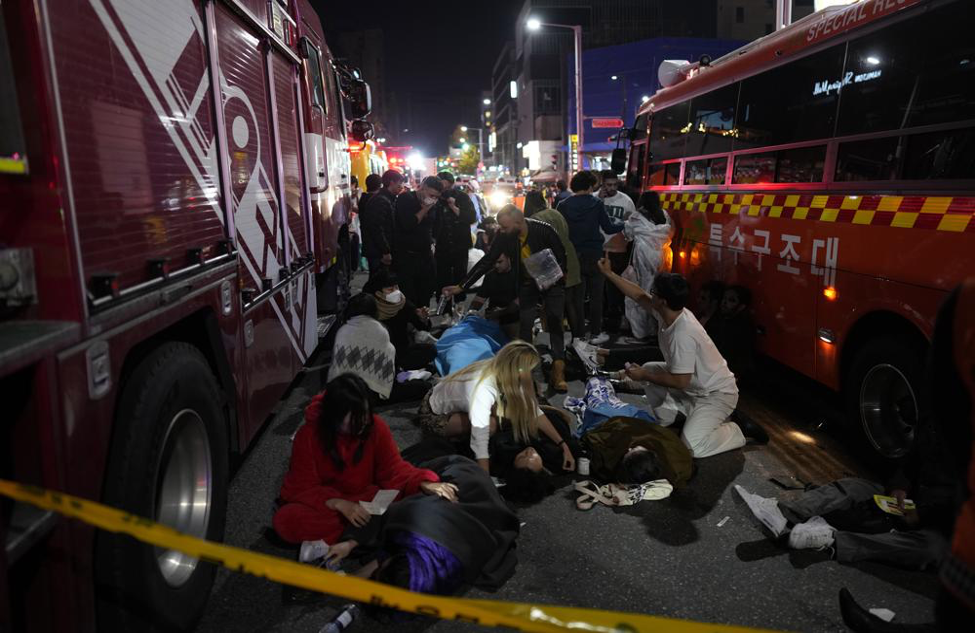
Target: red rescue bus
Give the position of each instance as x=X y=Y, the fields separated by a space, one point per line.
x=173 y=176
x=829 y=168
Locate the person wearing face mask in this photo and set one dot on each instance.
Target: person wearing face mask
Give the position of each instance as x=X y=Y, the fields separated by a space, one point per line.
x=521 y=238
x=342 y=455
x=400 y=316
x=377 y=221
x=414 y=262
x=488 y=395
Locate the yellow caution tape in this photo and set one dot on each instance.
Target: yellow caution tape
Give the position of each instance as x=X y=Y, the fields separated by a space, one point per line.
x=13 y=166
x=519 y=616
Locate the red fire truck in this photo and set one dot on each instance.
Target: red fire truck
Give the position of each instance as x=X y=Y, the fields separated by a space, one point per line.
x=173 y=176
x=829 y=168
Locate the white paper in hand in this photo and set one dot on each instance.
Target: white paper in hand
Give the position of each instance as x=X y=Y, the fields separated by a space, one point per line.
x=381 y=501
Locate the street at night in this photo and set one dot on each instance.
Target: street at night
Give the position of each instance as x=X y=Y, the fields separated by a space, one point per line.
x=537 y=315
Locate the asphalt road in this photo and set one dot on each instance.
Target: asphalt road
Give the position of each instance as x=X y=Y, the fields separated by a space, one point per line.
x=673 y=558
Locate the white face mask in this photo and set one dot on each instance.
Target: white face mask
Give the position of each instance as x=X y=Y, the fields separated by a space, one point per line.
x=428 y=201
x=394 y=297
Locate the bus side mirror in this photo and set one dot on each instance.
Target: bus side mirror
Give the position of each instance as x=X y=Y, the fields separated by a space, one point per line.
x=619 y=160
x=360 y=131
x=360 y=99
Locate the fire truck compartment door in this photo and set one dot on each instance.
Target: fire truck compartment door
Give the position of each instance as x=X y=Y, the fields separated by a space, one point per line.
x=315 y=162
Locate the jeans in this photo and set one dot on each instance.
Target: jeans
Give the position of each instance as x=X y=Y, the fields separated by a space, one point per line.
x=553 y=300
x=593 y=286
x=707 y=430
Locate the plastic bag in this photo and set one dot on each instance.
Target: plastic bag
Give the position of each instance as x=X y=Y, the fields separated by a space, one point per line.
x=543 y=268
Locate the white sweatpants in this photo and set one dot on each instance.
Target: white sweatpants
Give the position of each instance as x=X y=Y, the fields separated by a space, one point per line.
x=707 y=430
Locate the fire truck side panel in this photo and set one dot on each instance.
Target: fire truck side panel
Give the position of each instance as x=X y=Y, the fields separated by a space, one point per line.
x=138 y=122
x=288 y=134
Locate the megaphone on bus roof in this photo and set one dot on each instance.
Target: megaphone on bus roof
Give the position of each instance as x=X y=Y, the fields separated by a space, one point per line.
x=672 y=71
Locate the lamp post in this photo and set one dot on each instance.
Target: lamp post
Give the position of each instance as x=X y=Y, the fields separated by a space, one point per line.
x=481 y=158
x=534 y=24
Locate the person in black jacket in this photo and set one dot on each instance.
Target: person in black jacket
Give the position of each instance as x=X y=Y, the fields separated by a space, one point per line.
x=520 y=238
x=373 y=184
x=453 y=232
x=377 y=221
x=414 y=218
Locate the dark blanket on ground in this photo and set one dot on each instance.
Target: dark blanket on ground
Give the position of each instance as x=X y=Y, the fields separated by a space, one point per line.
x=609 y=442
x=479 y=530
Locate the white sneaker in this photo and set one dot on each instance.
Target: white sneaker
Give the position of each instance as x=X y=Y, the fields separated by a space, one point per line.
x=587 y=354
x=766 y=511
x=815 y=533
x=600 y=339
x=312 y=551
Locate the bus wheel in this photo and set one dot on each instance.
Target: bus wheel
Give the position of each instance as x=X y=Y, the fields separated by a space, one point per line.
x=884 y=396
x=169 y=462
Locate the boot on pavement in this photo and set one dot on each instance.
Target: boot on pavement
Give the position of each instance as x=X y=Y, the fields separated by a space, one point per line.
x=557 y=380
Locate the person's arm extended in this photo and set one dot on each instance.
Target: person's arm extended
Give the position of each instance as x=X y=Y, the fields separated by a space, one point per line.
x=483 y=266
x=547 y=428
x=608 y=225
x=480 y=413
x=661 y=377
x=628 y=289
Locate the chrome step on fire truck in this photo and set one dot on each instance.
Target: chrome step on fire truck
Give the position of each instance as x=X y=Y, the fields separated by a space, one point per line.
x=173 y=176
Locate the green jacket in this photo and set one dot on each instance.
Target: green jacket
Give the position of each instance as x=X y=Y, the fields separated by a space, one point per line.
x=555 y=219
x=609 y=442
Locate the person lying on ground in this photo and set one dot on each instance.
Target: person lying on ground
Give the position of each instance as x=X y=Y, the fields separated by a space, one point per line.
x=693 y=380
x=342 y=455
x=521 y=238
x=634 y=451
x=436 y=545
x=473 y=400
x=500 y=289
x=399 y=315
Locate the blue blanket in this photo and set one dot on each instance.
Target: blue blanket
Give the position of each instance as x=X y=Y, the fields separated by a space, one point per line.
x=473 y=339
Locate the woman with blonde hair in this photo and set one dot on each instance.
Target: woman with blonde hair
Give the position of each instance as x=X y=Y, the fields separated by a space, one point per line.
x=487 y=394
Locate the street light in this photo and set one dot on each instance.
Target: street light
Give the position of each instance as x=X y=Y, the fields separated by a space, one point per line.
x=464 y=128
x=486 y=101
x=534 y=24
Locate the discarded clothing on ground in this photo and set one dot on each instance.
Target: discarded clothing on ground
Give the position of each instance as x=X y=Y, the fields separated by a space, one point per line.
x=601 y=403
x=471 y=340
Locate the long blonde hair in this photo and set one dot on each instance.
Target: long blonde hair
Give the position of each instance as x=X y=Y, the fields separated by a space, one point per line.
x=515 y=403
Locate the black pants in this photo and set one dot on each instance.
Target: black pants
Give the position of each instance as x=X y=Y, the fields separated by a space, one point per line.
x=614 y=298
x=374 y=264
x=452 y=269
x=416 y=277
x=416 y=356
x=354 y=253
x=553 y=304
x=593 y=283
x=409 y=391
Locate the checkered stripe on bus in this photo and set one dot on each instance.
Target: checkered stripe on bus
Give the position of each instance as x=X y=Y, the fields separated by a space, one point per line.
x=954 y=214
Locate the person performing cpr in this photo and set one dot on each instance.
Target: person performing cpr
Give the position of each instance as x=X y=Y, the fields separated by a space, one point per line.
x=693 y=380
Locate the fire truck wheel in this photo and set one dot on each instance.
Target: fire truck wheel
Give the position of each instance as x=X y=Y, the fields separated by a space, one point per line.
x=883 y=394
x=168 y=462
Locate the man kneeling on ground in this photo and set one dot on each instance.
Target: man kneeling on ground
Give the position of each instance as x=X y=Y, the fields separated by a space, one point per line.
x=693 y=380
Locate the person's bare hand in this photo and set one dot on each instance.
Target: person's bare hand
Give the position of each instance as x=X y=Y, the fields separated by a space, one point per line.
x=900 y=497
x=441 y=489
x=356 y=514
x=338 y=552
x=569 y=463
x=423 y=312
x=604 y=265
x=450 y=291
x=453 y=206
x=636 y=372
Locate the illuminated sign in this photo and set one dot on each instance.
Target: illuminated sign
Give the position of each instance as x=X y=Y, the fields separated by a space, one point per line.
x=826 y=87
x=573 y=152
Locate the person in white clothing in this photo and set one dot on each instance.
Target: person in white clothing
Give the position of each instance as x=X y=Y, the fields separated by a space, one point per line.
x=693 y=380
x=487 y=394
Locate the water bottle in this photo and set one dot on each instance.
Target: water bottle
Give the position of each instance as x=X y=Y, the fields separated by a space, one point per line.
x=342 y=620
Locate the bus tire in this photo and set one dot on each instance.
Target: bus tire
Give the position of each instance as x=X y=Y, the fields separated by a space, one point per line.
x=884 y=396
x=169 y=433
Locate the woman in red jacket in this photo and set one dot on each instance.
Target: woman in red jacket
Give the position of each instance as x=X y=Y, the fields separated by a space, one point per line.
x=342 y=455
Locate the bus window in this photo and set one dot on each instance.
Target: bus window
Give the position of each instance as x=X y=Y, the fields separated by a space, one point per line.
x=13 y=157
x=946 y=83
x=806 y=92
x=710 y=171
x=668 y=130
x=711 y=117
x=940 y=156
x=663 y=175
x=873 y=159
x=802 y=164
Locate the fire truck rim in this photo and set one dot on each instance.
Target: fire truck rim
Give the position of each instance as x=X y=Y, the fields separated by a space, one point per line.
x=184 y=484
x=884 y=393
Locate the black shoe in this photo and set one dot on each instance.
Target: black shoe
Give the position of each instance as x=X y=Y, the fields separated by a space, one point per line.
x=750 y=429
x=859 y=619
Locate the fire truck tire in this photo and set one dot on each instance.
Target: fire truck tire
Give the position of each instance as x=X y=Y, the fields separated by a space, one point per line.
x=170 y=435
x=884 y=397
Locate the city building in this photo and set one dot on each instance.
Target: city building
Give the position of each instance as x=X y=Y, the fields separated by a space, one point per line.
x=501 y=143
x=617 y=80
x=365 y=50
x=748 y=20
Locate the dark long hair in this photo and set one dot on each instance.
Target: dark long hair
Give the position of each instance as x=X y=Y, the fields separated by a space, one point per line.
x=535 y=202
x=345 y=394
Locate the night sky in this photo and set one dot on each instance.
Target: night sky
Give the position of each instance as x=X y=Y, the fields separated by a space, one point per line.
x=439 y=55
